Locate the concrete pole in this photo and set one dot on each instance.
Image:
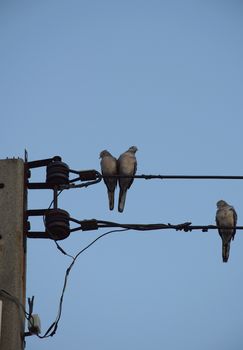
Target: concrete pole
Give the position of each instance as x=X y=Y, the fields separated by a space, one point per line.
x=12 y=252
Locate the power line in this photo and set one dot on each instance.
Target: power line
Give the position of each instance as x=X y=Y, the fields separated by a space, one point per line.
x=93 y=224
x=99 y=177
x=123 y=227
x=59 y=171
x=183 y=177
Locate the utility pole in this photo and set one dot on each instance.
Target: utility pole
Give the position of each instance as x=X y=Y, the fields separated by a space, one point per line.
x=12 y=252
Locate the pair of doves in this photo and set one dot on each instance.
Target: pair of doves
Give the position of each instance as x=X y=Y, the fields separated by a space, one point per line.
x=125 y=165
x=226 y=219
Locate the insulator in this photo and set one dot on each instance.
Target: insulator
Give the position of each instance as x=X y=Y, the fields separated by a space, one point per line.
x=87 y=175
x=57 y=173
x=87 y=225
x=57 y=224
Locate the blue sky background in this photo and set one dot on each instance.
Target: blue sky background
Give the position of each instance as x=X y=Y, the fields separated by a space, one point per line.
x=78 y=77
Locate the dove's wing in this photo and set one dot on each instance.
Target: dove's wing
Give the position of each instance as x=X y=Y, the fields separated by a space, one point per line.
x=234 y=214
x=226 y=218
x=127 y=166
x=109 y=168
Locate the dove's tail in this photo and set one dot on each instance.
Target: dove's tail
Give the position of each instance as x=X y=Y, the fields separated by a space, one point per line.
x=111 y=199
x=122 y=199
x=225 y=251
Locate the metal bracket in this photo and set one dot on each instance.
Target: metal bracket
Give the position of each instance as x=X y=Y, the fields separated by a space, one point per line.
x=57 y=226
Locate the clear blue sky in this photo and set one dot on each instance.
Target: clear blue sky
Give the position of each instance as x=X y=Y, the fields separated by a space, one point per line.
x=78 y=77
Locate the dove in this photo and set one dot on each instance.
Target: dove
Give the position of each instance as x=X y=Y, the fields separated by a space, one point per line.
x=226 y=219
x=108 y=165
x=127 y=165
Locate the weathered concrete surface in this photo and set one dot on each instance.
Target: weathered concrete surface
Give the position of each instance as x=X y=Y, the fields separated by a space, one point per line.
x=12 y=256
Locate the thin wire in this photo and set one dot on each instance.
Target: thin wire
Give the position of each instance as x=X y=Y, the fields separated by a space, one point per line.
x=71 y=185
x=186 y=226
x=54 y=325
x=93 y=224
x=53 y=328
x=177 y=177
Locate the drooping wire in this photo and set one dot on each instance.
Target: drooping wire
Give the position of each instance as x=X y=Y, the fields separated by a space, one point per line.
x=53 y=328
x=28 y=315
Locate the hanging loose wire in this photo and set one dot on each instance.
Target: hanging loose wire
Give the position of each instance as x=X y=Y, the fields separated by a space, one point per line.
x=53 y=328
x=28 y=315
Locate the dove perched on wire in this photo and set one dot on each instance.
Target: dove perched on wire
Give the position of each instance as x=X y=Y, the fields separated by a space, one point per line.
x=226 y=218
x=127 y=166
x=108 y=165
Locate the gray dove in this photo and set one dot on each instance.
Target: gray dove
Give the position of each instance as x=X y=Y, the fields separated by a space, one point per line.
x=226 y=218
x=127 y=166
x=108 y=165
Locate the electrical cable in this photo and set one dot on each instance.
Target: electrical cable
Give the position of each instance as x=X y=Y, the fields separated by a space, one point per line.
x=53 y=328
x=28 y=315
x=176 y=177
x=105 y=224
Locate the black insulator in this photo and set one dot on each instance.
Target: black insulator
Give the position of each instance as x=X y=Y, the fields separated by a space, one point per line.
x=87 y=175
x=57 y=173
x=87 y=225
x=57 y=224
